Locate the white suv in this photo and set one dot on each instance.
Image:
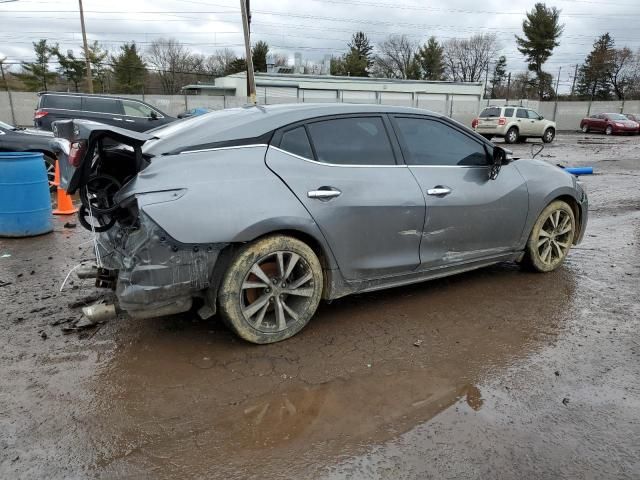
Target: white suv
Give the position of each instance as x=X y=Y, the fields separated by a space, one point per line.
x=514 y=124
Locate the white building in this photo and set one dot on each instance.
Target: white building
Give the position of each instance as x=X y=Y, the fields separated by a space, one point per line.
x=456 y=99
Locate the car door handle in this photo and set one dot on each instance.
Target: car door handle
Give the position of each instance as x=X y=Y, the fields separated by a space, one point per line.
x=439 y=191
x=324 y=194
x=119 y=119
x=130 y=121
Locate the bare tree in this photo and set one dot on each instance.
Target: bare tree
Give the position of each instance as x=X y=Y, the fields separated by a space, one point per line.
x=396 y=58
x=174 y=63
x=218 y=63
x=467 y=59
x=622 y=70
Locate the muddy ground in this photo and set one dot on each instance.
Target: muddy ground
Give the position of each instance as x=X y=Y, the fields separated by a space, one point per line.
x=491 y=374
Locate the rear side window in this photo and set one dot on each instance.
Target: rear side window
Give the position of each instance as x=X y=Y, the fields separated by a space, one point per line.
x=135 y=109
x=429 y=142
x=508 y=112
x=490 y=112
x=101 y=105
x=522 y=113
x=352 y=141
x=64 y=102
x=296 y=141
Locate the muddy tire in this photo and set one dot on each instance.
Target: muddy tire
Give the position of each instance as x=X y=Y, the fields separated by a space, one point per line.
x=548 y=135
x=511 y=136
x=551 y=238
x=271 y=289
x=608 y=130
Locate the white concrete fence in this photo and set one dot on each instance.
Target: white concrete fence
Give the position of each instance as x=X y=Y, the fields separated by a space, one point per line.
x=459 y=107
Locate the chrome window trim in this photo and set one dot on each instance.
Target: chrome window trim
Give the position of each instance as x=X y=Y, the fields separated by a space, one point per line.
x=234 y=147
x=334 y=164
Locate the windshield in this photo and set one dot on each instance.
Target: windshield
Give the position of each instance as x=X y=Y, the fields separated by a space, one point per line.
x=617 y=116
x=490 y=112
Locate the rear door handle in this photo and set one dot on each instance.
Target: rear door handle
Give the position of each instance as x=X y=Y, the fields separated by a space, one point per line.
x=119 y=119
x=439 y=191
x=130 y=121
x=324 y=194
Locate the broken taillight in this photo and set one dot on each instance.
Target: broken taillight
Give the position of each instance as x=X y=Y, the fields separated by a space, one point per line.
x=502 y=121
x=40 y=114
x=76 y=153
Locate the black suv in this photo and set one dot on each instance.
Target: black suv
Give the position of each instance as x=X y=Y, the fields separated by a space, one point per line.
x=120 y=112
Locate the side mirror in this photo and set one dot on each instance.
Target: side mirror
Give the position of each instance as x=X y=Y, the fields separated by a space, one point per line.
x=540 y=117
x=153 y=115
x=498 y=159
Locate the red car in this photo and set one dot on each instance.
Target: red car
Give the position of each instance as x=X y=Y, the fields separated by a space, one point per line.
x=608 y=123
x=635 y=117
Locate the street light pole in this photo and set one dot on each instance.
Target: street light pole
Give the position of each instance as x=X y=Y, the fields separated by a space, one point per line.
x=86 y=50
x=251 y=82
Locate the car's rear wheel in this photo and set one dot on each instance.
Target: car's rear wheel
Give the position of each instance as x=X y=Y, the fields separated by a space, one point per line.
x=585 y=128
x=608 y=130
x=551 y=237
x=512 y=135
x=548 y=135
x=271 y=289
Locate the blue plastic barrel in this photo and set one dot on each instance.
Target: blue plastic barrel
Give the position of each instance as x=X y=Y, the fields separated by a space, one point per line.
x=25 y=201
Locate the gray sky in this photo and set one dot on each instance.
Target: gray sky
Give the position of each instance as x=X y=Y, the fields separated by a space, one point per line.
x=312 y=27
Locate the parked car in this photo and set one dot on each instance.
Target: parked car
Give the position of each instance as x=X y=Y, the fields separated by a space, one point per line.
x=121 y=112
x=609 y=123
x=192 y=112
x=514 y=124
x=262 y=211
x=18 y=139
x=635 y=117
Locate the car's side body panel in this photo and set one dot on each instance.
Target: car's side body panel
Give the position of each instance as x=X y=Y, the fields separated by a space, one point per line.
x=374 y=225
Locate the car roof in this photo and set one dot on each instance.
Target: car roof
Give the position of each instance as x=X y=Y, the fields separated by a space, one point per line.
x=253 y=122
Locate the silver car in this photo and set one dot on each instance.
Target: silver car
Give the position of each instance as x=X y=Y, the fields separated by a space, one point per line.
x=258 y=213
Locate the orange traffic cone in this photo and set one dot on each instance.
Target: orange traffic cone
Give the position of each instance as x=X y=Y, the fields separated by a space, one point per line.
x=65 y=204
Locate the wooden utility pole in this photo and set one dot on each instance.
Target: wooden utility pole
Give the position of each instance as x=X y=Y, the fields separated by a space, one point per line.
x=86 y=50
x=573 y=85
x=555 y=105
x=251 y=81
x=6 y=85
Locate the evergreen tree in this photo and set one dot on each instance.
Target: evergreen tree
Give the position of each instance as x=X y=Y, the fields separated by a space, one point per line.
x=431 y=59
x=541 y=29
x=594 y=80
x=72 y=68
x=357 y=61
x=499 y=75
x=99 y=68
x=129 y=69
x=36 y=75
x=259 y=56
x=236 y=66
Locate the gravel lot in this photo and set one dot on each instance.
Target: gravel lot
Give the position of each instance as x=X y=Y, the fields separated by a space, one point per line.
x=491 y=374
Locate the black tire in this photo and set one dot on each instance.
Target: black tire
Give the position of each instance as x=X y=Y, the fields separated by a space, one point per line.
x=512 y=135
x=488 y=137
x=546 y=251
x=522 y=139
x=608 y=130
x=585 y=128
x=246 y=311
x=549 y=135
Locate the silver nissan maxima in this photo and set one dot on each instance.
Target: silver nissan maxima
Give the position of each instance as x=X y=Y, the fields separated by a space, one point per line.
x=261 y=212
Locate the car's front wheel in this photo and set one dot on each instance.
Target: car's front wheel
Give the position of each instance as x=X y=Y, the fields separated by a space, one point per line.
x=551 y=237
x=271 y=289
x=548 y=135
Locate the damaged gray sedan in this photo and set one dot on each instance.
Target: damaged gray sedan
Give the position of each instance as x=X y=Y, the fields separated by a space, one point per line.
x=261 y=212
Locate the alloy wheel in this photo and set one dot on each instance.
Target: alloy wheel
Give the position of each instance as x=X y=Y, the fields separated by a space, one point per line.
x=513 y=136
x=554 y=238
x=276 y=291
